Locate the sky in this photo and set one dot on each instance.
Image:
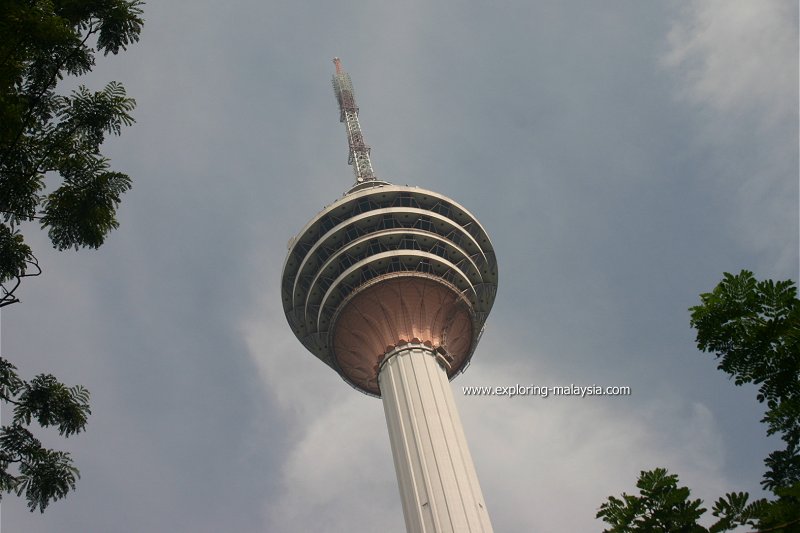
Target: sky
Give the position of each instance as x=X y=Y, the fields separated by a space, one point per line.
x=621 y=155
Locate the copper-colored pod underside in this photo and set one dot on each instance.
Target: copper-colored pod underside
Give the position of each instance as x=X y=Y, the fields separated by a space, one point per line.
x=396 y=311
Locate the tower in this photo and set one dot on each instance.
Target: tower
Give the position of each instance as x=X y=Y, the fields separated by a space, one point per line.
x=391 y=286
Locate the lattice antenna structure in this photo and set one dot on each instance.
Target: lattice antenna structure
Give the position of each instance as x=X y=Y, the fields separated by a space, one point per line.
x=348 y=113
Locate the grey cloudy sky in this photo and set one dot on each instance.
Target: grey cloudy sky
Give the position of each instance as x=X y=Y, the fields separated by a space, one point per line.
x=622 y=155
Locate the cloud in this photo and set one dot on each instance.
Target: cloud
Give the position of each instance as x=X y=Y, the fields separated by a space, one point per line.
x=337 y=467
x=737 y=56
x=736 y=65
x=546 y=464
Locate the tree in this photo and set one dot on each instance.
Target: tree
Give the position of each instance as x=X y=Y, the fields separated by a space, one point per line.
x=45 y=135
x=44 y=475
x=52 y=141
x=665 y=507
x=753 y=328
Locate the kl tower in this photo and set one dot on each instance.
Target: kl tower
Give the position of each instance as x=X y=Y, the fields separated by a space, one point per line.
x=390 y=286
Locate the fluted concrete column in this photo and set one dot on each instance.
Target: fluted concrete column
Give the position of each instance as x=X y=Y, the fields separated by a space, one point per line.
x=438 y=483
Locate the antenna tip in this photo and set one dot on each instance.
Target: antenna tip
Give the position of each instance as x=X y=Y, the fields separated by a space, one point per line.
x=338 y=63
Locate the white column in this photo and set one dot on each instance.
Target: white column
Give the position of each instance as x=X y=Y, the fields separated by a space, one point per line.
x=438 y=483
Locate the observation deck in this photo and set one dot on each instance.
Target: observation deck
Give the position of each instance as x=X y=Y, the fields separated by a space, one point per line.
x=385 y=266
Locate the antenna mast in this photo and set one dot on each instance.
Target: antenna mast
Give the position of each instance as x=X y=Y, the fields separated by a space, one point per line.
x=348 y=113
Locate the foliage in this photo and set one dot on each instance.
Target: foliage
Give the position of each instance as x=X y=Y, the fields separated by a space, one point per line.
x=26 y=467
x=754 y=329
x=662 y=506
x=52 y=170
x=49 y=137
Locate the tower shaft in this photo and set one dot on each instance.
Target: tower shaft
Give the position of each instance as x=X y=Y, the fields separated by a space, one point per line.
x=348 y=113
x=438 y=484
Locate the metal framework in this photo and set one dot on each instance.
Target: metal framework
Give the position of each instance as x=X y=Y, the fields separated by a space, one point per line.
x=348 y=113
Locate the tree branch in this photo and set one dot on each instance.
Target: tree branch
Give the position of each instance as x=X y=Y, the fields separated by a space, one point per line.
x=36 y=100
x=8 y=297
x=776 y=528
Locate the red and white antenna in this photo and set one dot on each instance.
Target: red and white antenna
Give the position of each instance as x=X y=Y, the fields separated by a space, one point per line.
x=348 y=113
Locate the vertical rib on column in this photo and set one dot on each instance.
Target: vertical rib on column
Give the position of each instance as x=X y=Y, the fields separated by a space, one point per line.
x=438 y=483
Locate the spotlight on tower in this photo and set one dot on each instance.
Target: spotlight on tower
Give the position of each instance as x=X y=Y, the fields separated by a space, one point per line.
x=391 y=286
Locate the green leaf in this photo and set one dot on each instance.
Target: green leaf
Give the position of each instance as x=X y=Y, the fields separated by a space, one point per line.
x=82 y=211
x=51 y=403
x=47 y=478
x=661 y=506
x=10 y=382
x=753 y=327
x=14 y=254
